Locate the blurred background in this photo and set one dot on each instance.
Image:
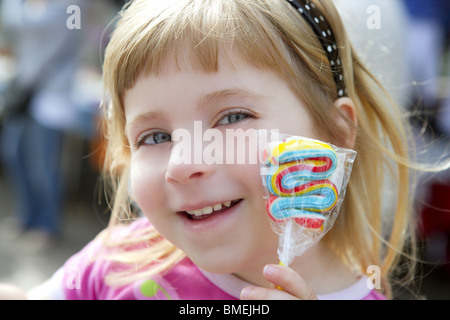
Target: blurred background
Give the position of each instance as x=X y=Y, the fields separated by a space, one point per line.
x=51 y=197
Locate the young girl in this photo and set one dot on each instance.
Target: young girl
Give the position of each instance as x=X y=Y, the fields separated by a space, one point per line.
x=192 y=230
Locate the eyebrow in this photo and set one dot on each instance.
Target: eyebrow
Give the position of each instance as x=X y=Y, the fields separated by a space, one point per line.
x=227 y=95
x=143 y=118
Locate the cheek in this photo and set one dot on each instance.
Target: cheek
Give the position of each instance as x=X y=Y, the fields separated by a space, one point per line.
x=257 y=221
x=255 y=194
x=145 y=184
x=249 y=177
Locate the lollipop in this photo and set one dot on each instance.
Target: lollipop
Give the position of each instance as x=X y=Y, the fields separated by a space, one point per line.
x=298 y=182
x=305 y=182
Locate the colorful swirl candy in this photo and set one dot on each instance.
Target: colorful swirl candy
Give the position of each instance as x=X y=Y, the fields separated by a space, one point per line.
x=298 y=181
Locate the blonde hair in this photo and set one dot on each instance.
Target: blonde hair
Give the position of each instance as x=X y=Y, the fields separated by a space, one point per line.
x=268 y=34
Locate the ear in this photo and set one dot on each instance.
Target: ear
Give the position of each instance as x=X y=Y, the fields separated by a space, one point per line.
x=347 y=121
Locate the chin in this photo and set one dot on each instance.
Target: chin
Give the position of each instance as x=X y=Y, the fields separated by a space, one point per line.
x=235 y=261
x=221 y=264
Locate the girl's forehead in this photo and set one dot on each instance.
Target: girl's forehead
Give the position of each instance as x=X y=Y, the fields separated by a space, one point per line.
x=182 y=75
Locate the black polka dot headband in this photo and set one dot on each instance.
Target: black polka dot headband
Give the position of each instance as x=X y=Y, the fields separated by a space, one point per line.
x=326 y=37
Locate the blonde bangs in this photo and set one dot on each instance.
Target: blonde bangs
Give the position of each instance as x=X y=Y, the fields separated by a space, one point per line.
x=151 y=36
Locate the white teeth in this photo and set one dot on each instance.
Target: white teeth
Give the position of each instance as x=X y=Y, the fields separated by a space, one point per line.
x=207 y=210
x=195 y=212
x=210 y=209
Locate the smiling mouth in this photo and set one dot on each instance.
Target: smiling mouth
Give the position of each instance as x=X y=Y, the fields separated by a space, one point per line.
x=210 y=211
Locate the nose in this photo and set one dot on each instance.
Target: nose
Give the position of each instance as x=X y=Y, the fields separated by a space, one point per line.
x=186 y=173
x=186 y=163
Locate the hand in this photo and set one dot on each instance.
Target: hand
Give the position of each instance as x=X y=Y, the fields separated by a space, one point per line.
x=294 y=287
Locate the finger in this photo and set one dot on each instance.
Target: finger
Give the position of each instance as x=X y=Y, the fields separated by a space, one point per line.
x=260 y=293
x=289 y=280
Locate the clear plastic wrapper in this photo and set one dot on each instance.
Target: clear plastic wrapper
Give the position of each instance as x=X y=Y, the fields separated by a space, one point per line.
x=305 y=182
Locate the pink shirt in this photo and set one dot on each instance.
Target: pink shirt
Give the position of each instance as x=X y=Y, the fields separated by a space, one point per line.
x=82 y=277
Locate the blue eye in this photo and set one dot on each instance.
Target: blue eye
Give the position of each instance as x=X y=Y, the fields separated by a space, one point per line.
x=154 y=138
x=233 y=117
